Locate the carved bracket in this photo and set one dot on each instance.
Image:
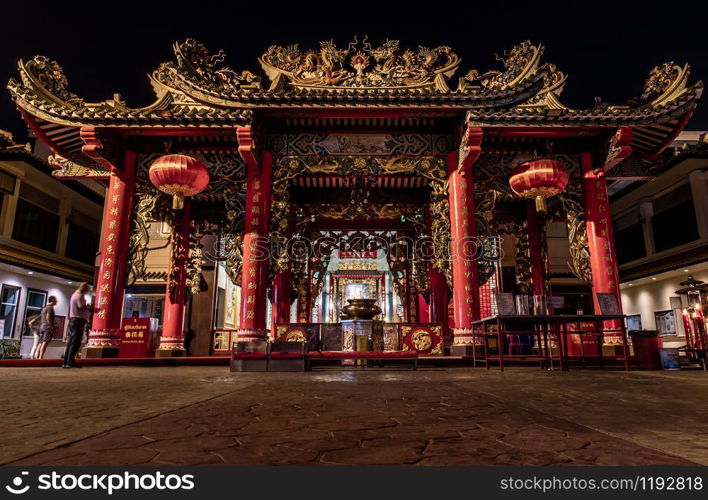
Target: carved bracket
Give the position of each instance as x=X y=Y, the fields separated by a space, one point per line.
x=470 y=147
x=247 y=147
x=620 y=148
x=99 y=150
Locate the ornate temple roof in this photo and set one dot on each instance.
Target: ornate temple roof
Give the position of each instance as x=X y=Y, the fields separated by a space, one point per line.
x=198 y=90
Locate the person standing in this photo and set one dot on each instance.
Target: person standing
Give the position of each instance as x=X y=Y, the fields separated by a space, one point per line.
x=33 y=327
x=46 y=328
x=78 y=317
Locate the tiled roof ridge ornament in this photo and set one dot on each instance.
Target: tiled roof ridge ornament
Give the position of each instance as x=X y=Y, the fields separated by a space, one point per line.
x=197 y=88
x=47 y=78
x=195 y=64
x=519 y=63
x=359 y=65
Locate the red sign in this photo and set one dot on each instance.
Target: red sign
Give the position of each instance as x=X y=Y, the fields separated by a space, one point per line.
x=138 y=338
x=351 y=254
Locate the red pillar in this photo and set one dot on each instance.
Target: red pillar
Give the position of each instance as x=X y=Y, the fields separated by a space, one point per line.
x=104 y=336
x=282 y=286
x=463 y=228
x=538 y=271
x=281 y=298
x=601 y=245
x=172 y=338
x=256 y=252
x=423 y=309
x=438 y=297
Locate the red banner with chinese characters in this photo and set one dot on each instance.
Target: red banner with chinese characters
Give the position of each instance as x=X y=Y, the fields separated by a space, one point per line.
x=138 y=338
x=351 y=254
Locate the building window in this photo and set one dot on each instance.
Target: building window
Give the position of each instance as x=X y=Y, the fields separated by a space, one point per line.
x=82 y=239
x=629 y=243
x=36 y=219
x=674 y=221
x=9 y=298
x=36 y=300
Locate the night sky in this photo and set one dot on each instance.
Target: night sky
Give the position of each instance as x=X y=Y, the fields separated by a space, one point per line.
x=607 y=49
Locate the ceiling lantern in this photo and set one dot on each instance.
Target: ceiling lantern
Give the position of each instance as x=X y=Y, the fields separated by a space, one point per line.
x=539 y=179
x=179 y=176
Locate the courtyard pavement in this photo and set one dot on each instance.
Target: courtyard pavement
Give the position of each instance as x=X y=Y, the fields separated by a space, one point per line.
x=454 y=416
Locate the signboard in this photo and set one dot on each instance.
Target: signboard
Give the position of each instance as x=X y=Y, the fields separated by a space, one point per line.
x=352 y=254
x=138 y=338
x=505 y=304
x=608 y=303
x=59 y=324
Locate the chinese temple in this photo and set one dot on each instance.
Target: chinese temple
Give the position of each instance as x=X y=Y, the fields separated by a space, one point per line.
x=352 y=171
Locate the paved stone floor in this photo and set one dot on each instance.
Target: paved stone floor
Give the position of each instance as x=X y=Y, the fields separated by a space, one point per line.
x=459 y=416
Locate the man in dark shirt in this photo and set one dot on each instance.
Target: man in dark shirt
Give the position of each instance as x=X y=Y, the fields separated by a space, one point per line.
x=78 y=317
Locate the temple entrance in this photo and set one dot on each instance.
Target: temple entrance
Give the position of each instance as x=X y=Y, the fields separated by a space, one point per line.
x=344 y=172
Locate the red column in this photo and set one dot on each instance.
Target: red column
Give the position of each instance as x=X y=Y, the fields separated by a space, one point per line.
x=438 y=297
x=601 y=245
x=538 y=272
x=463 y=228
x=408 y=305
x=282 y=285
x=423 y=309
x=281 y=298
x=172 y=338
x=256 y=252
x=104 y=336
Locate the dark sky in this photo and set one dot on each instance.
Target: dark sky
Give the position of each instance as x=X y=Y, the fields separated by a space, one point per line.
x=607 y=49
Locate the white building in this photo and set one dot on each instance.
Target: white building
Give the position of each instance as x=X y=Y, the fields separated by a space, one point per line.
x=49 y=232
x=661 y=237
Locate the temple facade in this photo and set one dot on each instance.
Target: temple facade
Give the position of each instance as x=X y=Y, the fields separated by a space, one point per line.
x=358 y=171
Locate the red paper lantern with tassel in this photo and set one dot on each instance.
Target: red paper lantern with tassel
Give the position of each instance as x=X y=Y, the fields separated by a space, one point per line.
x=179 y=176
x=539 y=180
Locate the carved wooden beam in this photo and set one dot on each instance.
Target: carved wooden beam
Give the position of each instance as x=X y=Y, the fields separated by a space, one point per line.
x=247 y=147
x=470 y=147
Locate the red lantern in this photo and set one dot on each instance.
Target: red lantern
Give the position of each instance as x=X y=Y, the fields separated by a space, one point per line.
x=179 y=176
x=539 y=179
